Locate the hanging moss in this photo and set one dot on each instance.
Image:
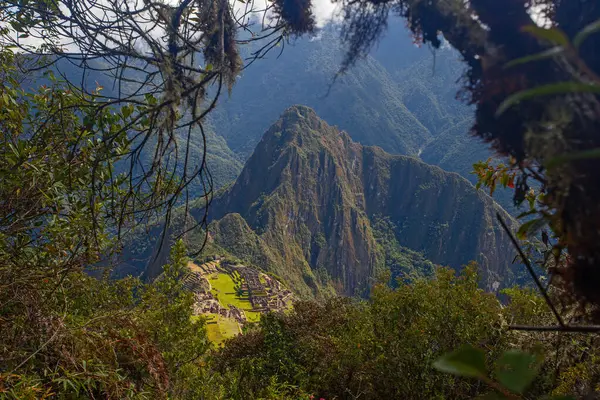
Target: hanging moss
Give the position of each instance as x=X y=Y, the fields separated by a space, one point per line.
x=296 y=14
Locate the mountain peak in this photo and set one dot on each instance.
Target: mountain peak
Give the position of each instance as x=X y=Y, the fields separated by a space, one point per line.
x=300 y=120
x=294 y=112
x=300 y=127
x=316 y=198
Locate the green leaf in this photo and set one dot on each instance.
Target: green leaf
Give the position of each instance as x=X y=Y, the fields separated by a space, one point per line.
x=553 y=35
x=580 y=155
x=554 y=51
x=585 y=32
x=466 y=361
x=530 y=227
x=17 y=26
x=527 y=213
x=546 y=90
x=126 y=111
x=516 y=370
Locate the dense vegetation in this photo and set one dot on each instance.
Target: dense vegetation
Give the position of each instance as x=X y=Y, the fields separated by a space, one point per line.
x=64 y=332
x=69 y=330
x=386 y=347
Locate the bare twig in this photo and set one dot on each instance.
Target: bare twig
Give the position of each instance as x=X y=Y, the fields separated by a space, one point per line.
x=531 y=271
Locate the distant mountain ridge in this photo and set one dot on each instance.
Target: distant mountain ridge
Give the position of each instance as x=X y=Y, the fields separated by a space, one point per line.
x=399 y=98
x=401 y=109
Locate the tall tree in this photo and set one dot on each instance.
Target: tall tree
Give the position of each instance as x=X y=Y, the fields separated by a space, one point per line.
x=62 y=331
x=169 y=62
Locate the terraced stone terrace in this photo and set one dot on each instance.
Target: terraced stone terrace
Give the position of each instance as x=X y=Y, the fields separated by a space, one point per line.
x=231 y=295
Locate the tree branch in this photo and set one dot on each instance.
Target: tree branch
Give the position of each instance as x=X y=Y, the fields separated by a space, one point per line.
x=531 y=271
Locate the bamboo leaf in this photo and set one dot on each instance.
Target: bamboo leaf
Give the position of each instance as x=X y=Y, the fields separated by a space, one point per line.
x=546 y=90
x=552 y=52
x=585 y=32
x=530 y=227
x=553 y=35
x=565 y=158
x=516 y=370
x=466 y=361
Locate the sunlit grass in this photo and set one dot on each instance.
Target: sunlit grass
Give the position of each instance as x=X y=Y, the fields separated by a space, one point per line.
x=223 y=288
x=220 y=328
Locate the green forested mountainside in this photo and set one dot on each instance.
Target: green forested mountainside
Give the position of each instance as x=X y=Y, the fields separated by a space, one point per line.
x=428 y=80
x=231 y=235
x=330 y=213
x=400 y=110
x=401 y=262
x=401 y=98
x=223 y=163
x=305 y=205
x=454 y=150
x=365 y=101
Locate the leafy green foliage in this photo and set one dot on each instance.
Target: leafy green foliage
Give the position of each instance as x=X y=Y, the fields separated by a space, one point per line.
x=516 y=370
x=65 y=333
x=396 y=344
x=382 y=348
x=590 y=29
x=547 y=90
x=490 y=175
x=466 y=361
x=556 y=163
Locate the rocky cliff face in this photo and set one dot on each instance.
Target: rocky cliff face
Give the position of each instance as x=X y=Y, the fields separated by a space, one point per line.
x=297 y=193
x=310 y=194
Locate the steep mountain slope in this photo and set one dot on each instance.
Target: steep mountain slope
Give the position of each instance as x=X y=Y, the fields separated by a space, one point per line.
x=365 y=101
x=454 y=150
x=311 y=194
x=304 y=203
x=400 y=98
x=428 y=81
x=223 y=163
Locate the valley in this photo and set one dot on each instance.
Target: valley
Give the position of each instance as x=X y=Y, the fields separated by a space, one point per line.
x=400 y=98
